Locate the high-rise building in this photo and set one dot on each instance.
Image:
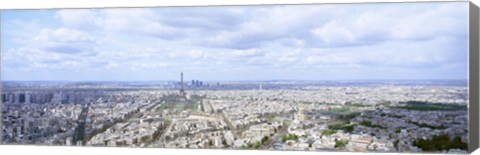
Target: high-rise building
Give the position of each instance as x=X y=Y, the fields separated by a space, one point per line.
x=57 y=98
x=4 y=98
x=196 y=83
x=11 y=98
x=21 y=98
x=27 y=97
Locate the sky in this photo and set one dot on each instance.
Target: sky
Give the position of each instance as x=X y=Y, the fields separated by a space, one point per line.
x=269 y=42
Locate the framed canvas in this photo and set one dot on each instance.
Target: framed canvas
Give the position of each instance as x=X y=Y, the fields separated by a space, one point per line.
x=369 y=77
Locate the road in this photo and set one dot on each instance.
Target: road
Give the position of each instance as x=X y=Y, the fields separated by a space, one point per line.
x=268 y=144
x=79 y=135
x=160 y=140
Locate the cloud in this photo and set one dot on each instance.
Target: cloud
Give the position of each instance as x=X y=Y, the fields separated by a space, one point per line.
x=65 y=40
x=254 y=27
x=196 y=54
x=334 y=33
x=413 y=55
x=280 y=23
x=375 y=26
x=149 y=66
x=296 y=41
x=29 y=59
x=64 y=35
x=83 y=19
x=245 y=53
x=225 y=27
x=221 y=18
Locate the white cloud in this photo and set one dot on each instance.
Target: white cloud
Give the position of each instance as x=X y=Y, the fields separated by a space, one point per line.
x=64 y=40
x=267 y=39
x=83 y=19
x=30 y=59
x=334 y=33
x=196 y=54
x=148 y=66
x=341 y=58
x=245 y=53
x=393 y=23
x=64 y=35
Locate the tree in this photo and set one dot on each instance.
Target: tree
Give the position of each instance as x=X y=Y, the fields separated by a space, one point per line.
x=289 y=137
x=440 y=142
x=243 y=146
x=328 y=132
x=257 y=145
x=341 y=143
x=264 y=139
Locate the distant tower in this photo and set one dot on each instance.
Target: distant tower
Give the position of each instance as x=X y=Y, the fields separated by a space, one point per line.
x=182 y=92
x=260 y=87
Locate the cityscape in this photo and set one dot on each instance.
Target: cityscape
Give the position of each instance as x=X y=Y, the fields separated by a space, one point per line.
x=359 y=116
x=376 y=77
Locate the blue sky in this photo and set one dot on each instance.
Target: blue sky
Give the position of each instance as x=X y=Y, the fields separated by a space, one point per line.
x=294 y=42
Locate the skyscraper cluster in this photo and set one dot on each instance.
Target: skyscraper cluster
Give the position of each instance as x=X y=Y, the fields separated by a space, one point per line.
x=196 y=83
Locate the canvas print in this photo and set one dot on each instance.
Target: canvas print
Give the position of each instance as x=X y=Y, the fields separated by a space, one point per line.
x=375 y=77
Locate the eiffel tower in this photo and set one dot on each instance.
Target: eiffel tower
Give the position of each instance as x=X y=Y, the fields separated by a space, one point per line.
x=182 y=94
